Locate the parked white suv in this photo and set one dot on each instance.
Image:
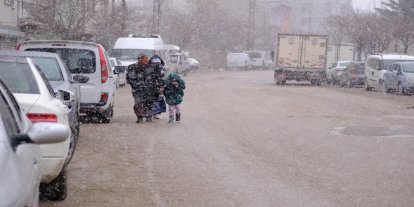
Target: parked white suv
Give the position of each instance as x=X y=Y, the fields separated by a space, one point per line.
x=376 y=67
x=89 y=59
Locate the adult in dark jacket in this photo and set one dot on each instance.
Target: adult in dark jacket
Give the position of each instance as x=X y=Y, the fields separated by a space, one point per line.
x=146 y=84
x=174 y=91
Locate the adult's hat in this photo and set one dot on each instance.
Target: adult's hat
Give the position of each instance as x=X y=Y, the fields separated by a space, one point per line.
x=155 y=60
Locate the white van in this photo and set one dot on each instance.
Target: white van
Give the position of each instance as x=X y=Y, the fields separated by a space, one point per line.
x=376 y=67
x=238 y=61
x=259 y=59
x=89 y=59
x=127 y=49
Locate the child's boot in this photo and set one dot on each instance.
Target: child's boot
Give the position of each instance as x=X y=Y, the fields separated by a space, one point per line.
x=171 y=120
x=178 y=117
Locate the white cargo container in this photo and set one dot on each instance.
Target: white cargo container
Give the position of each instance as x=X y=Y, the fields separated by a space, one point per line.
x=300 y=57
x=340 y=52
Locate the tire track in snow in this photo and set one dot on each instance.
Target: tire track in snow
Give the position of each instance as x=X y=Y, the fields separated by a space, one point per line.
x=149 y=164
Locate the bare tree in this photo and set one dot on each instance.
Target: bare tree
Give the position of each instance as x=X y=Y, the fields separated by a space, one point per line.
x=63 y=19
x=400 y=16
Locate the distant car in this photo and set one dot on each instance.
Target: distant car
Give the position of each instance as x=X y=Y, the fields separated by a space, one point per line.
x=333 y=73
x=376 y=67
x=59 y=78
x=120 y=78
x=353 y=75
x=179 y=63
x=194 y=64
x=20 y=156
x=400 y=77
x=91 y=60
x=36 y=98
x=238 y=61
x=259 y=59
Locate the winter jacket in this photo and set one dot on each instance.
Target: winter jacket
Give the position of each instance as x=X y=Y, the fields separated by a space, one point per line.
x=174 y=95
x=145 y=81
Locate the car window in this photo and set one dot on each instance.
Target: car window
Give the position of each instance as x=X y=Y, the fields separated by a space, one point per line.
x=343 y=64
x=49 y=67
x=7 y=116
x=18 y=77
x=77 y=60
x=113 y=63
x=408 y=67
x=130 y=54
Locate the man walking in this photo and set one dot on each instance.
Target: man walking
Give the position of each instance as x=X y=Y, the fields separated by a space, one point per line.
x=146 y=84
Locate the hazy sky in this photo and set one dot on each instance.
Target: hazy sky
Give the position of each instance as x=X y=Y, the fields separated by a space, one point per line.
x=366 y=4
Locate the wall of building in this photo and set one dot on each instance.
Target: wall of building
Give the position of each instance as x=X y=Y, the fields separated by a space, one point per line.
x=9 y=33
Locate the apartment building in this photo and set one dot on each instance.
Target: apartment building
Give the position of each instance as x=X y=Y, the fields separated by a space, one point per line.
x=9 y=31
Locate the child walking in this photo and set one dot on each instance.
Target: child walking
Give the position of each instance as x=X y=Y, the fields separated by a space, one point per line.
x=174 y=92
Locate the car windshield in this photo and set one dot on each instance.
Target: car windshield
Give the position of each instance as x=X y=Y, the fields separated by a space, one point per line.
x=255 y=55
x=77 y=60
x=19 y=77
x=408 y=67
x=50 y=67
x=130 y=54
x=343 y=64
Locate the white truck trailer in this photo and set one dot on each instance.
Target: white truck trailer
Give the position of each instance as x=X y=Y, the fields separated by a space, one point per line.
x=340 y=52
x=300 y=57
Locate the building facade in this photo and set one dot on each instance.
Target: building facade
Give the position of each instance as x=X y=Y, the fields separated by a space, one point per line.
x=10 y=34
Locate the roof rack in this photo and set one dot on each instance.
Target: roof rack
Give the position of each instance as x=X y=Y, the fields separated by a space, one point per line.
x=144 y=36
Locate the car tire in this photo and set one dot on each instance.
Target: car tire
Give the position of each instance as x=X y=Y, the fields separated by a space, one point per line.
x=400 y=89
x=57 y=189
x=383 y=87
x=349 y=83
x=72 y=145
x=367 y=87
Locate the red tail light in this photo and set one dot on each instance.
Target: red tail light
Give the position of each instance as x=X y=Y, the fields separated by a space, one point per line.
x=104 y=97
x=353 y=73
x=18 y=46
x=104 y=66
x=37 y=117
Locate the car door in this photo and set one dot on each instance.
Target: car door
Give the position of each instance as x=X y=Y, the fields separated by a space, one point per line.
x=21 y=172
x=388 y=77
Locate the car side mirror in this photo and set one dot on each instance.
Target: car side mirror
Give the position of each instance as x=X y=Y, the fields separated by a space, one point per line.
x=119 y=69
x=65 y=96
x=43 y=133
x=80 y=79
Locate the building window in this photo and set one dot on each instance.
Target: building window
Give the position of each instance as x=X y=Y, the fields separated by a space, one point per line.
x=9 y=2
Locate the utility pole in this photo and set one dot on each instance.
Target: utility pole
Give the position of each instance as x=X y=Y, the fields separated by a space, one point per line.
x=124 y=16
x=252 y=17
x=156 y=16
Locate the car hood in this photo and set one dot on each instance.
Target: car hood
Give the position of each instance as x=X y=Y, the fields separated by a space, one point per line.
x=57 y=85
x=26 y=101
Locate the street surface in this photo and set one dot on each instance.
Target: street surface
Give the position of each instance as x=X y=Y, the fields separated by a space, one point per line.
x=244 y=141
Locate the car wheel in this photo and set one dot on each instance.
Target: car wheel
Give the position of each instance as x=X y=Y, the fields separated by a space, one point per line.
x=348 y=83
x=366 y=86
x=106 y=116
x=400 y=89
x=72 y=145
x=382 y=87
x=57 y=189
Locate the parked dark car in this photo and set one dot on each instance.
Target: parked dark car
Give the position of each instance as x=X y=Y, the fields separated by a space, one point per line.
x=400 y=78
x=353 y=74
x=59 y=78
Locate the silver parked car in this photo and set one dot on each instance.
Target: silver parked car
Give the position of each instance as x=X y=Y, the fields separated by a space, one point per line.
x=400 y=77
x=20 y=157
x=59 y=78
x=353 y=75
